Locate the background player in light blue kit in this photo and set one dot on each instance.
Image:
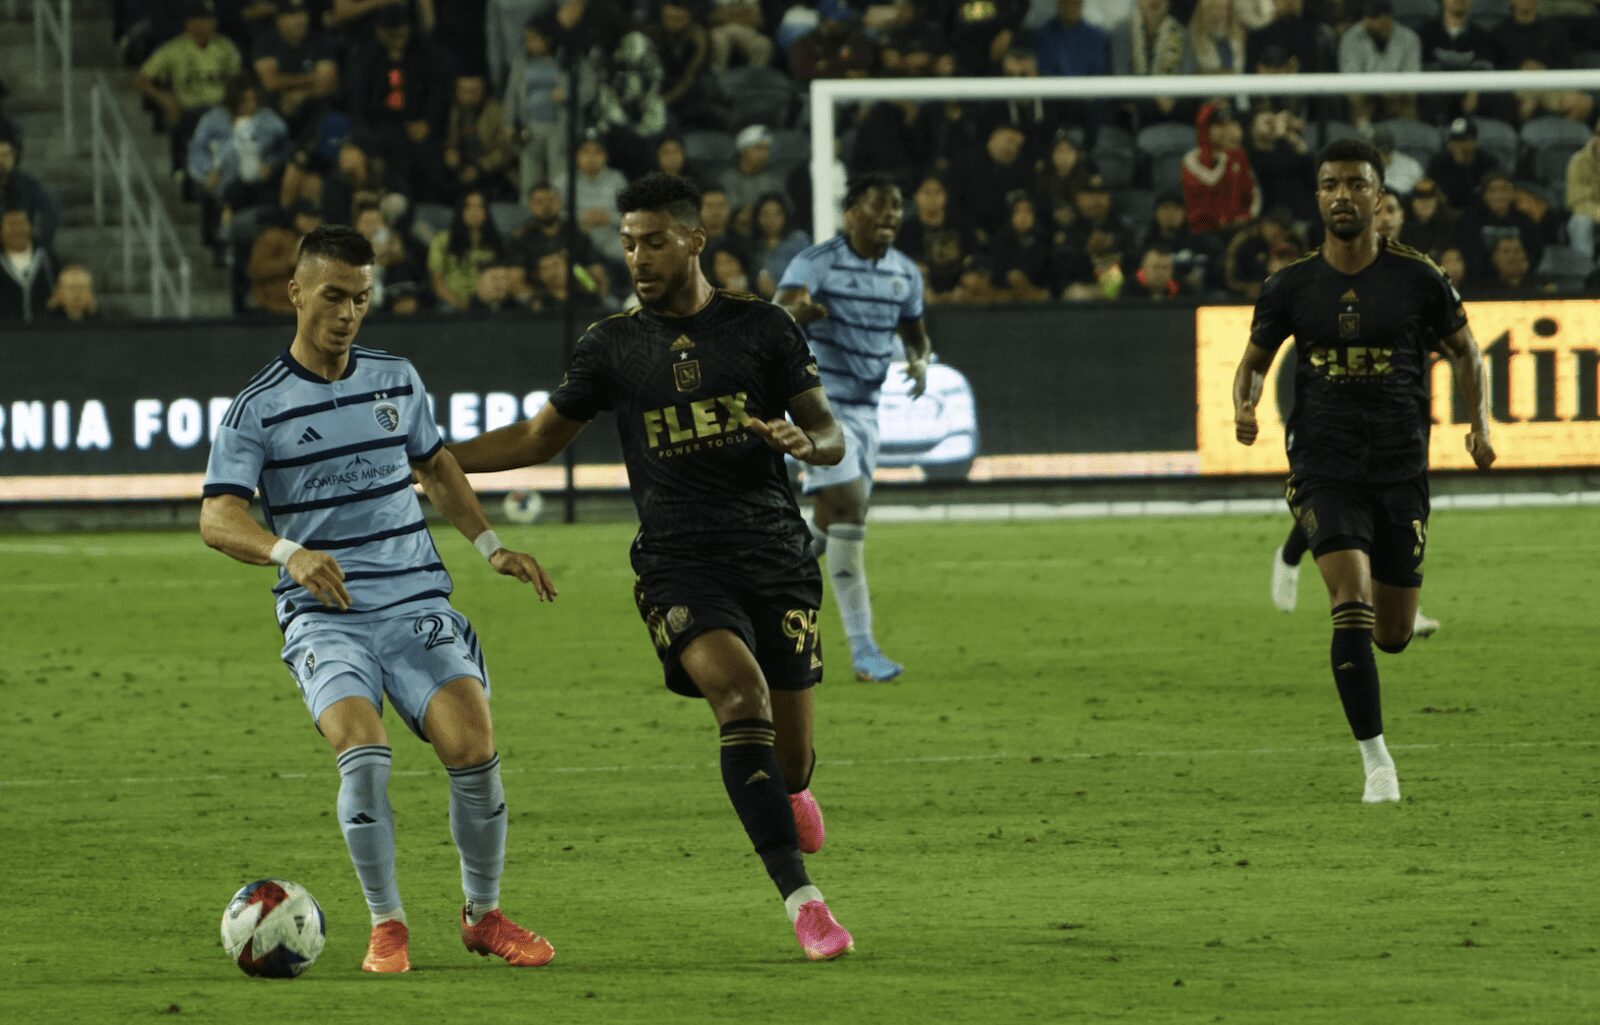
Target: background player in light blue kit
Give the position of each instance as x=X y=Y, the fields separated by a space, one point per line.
x=853 y=295
x=330 y=433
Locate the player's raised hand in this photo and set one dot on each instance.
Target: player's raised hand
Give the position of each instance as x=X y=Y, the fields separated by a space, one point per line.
x=321 y=574
x=1479 y=448
x=917 y=374
x=1244 y=424
x=526 y=569
x=785 y=437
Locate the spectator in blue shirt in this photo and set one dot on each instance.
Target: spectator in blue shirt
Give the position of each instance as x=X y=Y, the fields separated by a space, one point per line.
x=1069 y=45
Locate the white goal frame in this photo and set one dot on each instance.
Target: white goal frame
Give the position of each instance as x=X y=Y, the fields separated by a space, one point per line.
x=826 y=94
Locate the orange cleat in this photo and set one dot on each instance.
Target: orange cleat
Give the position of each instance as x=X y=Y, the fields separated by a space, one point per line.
x=386 y=950
x=822 y=938
x=807 y=821
x=498 y=935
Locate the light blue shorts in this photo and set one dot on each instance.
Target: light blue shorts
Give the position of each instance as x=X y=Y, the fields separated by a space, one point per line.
x=860 y=424
x=408 y=657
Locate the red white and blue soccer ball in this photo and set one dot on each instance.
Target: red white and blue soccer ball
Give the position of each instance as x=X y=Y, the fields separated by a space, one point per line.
x=273 y=929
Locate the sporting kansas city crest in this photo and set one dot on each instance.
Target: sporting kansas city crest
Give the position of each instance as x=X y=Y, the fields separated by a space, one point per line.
x=310 y=663
x=388 y=416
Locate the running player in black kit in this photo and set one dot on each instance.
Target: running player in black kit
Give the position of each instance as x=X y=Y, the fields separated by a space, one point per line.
x=700 y=381
x=1365 y=312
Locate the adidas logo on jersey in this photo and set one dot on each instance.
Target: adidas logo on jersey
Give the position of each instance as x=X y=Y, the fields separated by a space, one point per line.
x=816 y=663
x=757 y=777
x=309 y=436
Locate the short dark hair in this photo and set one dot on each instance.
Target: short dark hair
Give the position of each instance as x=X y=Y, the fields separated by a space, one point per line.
x=670 y=194
x=1351 y=150
x=338 y=242
x=861 y=184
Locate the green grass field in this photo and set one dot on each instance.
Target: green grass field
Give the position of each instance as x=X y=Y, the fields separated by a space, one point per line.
x=1114 y=786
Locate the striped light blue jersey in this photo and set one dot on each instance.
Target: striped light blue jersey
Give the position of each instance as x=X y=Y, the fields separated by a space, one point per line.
x=331 y=460
x=867 y=300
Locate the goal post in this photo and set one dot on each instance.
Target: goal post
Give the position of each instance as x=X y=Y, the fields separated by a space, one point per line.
x=827 y=94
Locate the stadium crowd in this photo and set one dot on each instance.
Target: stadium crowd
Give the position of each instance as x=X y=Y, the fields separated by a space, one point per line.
x=441 y=134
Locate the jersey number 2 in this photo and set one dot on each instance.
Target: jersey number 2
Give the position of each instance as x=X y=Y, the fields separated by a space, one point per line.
x=438 y=633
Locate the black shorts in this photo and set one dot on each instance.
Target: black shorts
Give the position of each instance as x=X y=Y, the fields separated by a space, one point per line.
x=771 y=606
x=1387 y=521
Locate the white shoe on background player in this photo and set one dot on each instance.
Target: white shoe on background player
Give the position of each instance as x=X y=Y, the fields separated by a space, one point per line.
x=1285 y=583
x=1424 y=626
x=1382 y=786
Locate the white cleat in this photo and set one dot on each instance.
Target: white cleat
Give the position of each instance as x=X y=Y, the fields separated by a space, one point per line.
x=1382 y=786
x=1424 y=626
x=1286 y=583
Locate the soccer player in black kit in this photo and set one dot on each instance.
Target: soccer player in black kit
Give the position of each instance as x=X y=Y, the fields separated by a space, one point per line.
x=1365 y=313
x=700 y=381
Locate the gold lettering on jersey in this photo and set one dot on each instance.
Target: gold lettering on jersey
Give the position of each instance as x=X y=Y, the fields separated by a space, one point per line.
x=1354 y=361
x=672 y=426
x=686 y=375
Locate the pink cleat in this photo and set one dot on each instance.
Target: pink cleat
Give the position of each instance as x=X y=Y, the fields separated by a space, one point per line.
x=820 y=936
x=807 y=821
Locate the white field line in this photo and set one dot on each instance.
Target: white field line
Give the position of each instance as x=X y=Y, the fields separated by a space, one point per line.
x=998 y=756
x=955 y=512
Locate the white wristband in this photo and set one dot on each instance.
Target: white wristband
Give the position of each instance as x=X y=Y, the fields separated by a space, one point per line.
x=487 y=543
x=282 y=550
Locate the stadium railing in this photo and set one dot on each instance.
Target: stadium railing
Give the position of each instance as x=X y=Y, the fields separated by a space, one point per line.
x=142 y=213
x=827 y=94
x=55 y=21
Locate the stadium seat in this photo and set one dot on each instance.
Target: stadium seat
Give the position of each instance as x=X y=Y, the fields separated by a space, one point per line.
x=1499 y=140
x=1114 y=156
x=1413 y=138
x=508 y=217
x=758 y=96
x=1319 y=134
x=1166 y=139
x=1552 y=141
x=1136 y=205
x=790 y=148
x=707 y=149
x=429 y=219
x=1166 y=173
x=1490 y=13
x=1417 y=10
x=1566 y=267
x=1588 y=59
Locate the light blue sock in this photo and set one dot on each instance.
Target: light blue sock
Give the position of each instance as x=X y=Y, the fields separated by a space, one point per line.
x=847 y=572
x=367 y=822
x=478 y=823
x=819 y=538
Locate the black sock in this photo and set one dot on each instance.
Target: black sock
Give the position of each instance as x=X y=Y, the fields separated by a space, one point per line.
x=755 y=785
x=1355 y=671
x=804 y=783
x=1294 y=546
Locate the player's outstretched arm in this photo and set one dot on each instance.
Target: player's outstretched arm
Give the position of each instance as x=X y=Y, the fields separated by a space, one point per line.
x=225 y=525
x=527 y=443
x=447 y=488
x=814 y=437
x=798 y=304
x=918 y=348
x=1248 y=381
x=1471 y=384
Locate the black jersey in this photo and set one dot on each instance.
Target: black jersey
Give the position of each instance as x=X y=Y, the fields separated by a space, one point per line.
x=1361 y=409
x=684 y=391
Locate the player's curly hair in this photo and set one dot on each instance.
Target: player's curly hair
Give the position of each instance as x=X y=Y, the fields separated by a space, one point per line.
x=1355 y=150
x=861 y=184
x=668 y=193
x=339 y=243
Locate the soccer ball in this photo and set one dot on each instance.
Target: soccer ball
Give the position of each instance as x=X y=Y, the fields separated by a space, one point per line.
x=523 y=506
x=273 y=929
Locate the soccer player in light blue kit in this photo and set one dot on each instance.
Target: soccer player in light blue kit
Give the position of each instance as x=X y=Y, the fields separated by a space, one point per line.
x=852 y=295
x=330 y=434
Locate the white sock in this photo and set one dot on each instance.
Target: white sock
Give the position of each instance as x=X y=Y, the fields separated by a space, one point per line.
x=476 y=909
x=397 y=915
x=1374 y=754
x=804 y=895
x=847 y=569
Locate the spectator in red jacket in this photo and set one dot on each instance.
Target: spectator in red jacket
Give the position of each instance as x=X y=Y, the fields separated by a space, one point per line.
x=1218 y=188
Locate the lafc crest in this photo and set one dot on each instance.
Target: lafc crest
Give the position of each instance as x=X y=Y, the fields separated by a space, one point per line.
x=685 y=371
x=1350 y=319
